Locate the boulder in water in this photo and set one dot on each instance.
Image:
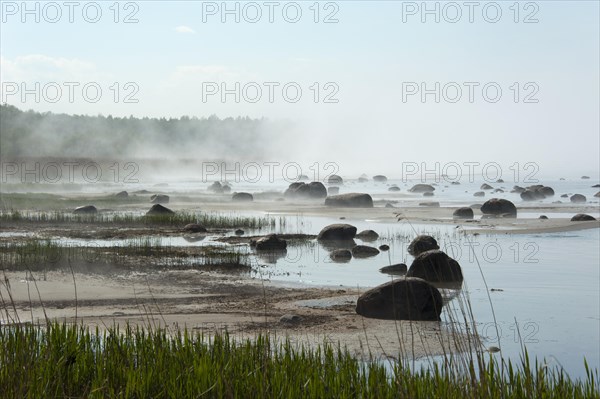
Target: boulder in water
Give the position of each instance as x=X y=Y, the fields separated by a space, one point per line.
x=350 y=200
x=401 y=299
x=338 y=231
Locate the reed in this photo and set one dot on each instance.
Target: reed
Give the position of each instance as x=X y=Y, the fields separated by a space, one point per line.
x=60 y=360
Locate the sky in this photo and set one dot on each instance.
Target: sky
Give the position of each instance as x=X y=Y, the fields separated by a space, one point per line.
x=372 y=83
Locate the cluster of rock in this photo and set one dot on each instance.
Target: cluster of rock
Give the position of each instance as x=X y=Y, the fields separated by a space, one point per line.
x=340 y=237
x=533 y=193
x=415 y=296
x=219 y=188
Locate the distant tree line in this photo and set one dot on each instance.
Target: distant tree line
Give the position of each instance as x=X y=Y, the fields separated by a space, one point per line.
x=35 y=134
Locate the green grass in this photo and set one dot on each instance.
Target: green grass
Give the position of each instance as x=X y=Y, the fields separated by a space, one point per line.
x=43 y=255
x=61 y=360
x=179 y=219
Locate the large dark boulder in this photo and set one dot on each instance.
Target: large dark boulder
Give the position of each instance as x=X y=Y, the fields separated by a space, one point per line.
x=401 y=299
x=313 y=190
x=158 y=209
x=499 y=206
x=159 y=199
x=578 y=198
x=335 y=179
x=270 y=243
x=364 y=251
x=582 y=217
x=85 y=210
x=463 y=213
x=380 y=179
x=421 y=244
x=338 y=231
x=421 y=188
x=517 y=189
x=486 y=186
x=242 y=197
x=435 y=266
x=350 y=200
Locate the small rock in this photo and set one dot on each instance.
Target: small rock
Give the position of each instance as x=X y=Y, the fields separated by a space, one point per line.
x=242 y=197
x=364 y=251
x=270 y=243
x=335 y=179
x=463 y=213
x=582 y=217
x=421 y=244
x=86 y=209
x=337 y=231
x=340 y=255
x=578 y=198
x=394 y=270
x=367 y=235
x=290 y=319
x=194 y=228
x=158 y=209
x=159 y=199
x=421 y=188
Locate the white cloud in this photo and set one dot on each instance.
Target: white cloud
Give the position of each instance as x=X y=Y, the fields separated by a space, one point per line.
x=184 y=29
x=39 y=67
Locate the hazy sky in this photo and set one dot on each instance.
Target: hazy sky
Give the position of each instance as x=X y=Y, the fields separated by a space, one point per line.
x=353 y=72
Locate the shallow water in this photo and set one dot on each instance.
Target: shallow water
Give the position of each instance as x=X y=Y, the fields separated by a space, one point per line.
x=545 y=294
x=546 y=286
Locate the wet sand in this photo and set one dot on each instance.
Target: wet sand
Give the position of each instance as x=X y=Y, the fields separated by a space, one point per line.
x=209 y=303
